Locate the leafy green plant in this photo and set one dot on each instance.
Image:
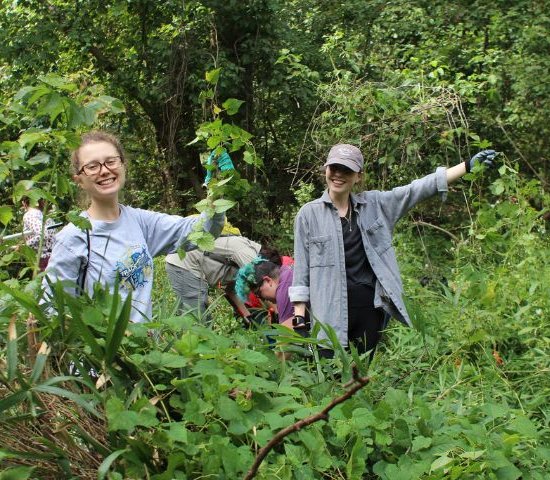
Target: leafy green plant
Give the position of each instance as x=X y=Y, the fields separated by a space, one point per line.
x=221 y=136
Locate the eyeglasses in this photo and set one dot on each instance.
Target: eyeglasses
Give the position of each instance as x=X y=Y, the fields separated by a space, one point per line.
x=94 y=167
x=257 y=288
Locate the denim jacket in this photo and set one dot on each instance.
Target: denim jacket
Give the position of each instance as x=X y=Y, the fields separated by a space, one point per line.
x=320 y=270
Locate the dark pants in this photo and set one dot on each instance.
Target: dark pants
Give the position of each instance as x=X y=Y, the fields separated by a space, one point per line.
x=365 y=322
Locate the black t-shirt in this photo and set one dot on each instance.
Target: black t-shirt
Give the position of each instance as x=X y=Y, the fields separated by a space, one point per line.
x=358 y=269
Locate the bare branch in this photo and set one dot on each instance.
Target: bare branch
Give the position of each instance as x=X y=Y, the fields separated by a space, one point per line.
x=357 y=384
x=426 y=224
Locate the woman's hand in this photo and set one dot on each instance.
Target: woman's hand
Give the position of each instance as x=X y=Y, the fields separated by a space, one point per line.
x=223 y=162
x=485 y=157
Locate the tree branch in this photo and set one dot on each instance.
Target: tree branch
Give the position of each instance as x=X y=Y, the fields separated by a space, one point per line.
x=426 y=224
x=357 y=384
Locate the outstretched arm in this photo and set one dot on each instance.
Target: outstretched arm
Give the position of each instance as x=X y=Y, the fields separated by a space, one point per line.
x=456 y=172
x=485 y=157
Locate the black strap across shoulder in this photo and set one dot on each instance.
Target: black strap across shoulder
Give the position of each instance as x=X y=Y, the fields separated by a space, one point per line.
x=84 y=268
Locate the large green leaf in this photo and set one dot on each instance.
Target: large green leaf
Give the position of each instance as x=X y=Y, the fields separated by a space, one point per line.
x=113 y=313
x=78 y=220
x=77 y=326
x=114 y=104
x=6 y=214
x=58 y=82
x=212 y=76
x=120 y=418
x=52 y=107
x=25 y=300
x=232 y=105
x=29 y=139
x=116 y=333
x=222 y=205
x=22 y=188
x=41 y=158
x=203 y=240
x=106 y=464
x=76 y=116
x=36 y=93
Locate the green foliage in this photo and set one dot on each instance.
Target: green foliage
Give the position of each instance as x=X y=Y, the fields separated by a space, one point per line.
x=203 y=402
x=221 y=137
x=464 y=397
x=415 y=84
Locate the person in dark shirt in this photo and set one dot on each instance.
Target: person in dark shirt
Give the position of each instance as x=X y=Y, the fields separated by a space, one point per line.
x=346 y=268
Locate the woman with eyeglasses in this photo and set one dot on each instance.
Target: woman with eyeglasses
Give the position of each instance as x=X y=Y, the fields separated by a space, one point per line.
x=345 y=266
x=123 y=240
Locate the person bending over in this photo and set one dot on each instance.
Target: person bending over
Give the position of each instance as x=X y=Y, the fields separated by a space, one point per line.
x=270 y=282
x=193 y=275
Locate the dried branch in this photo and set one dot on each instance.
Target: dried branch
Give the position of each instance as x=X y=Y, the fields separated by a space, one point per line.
x=32 y=340
x=426 y=224
x=357 y=384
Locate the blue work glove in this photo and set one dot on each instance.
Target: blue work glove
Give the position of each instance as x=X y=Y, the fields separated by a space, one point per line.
x=224 y=164
x=485 y=157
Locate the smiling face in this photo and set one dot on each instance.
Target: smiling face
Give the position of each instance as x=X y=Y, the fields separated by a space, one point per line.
x=105 y=184
x=340 y=179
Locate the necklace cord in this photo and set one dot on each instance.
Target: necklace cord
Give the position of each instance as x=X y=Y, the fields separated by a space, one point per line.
x=348 y=216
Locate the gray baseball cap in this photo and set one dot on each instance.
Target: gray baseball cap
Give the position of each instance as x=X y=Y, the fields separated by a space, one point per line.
x=348 y=155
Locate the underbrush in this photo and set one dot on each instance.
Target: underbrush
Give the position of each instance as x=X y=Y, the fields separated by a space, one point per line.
x=463 y=395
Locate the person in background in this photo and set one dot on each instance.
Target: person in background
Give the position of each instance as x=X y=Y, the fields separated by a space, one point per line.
x=272 y=255
x=192 y=275
x=270 y=282
x=345 y=265
x=41 y=233
x=123 y=240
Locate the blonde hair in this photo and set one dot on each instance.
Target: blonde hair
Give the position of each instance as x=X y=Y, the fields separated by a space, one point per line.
x=96 y=136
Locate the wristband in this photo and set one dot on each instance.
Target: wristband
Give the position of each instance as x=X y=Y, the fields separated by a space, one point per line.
x=467 y=165
x=298 y=321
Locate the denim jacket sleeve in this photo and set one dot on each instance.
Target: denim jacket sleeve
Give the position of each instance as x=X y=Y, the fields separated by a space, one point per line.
x=400 y=200
x=299 y=291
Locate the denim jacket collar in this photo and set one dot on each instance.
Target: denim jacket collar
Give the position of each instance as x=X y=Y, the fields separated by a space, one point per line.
x=355 y=199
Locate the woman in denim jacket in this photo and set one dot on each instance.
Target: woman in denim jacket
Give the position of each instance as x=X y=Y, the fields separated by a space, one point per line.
x=346 y=267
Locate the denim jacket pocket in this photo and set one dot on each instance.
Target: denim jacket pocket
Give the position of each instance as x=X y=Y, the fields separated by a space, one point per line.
x=321 y=251
x=379 y=236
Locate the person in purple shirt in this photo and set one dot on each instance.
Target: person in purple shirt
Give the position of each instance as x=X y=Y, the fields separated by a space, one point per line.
x=270 y=282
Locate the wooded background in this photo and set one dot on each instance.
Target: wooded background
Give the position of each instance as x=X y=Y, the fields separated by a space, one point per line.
x=414 y=84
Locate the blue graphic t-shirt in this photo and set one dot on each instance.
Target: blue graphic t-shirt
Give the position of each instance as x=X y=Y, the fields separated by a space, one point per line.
x=124 y=249
x=135 y=269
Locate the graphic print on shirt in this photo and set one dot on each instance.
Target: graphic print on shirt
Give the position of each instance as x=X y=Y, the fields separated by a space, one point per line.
x=136 y=268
